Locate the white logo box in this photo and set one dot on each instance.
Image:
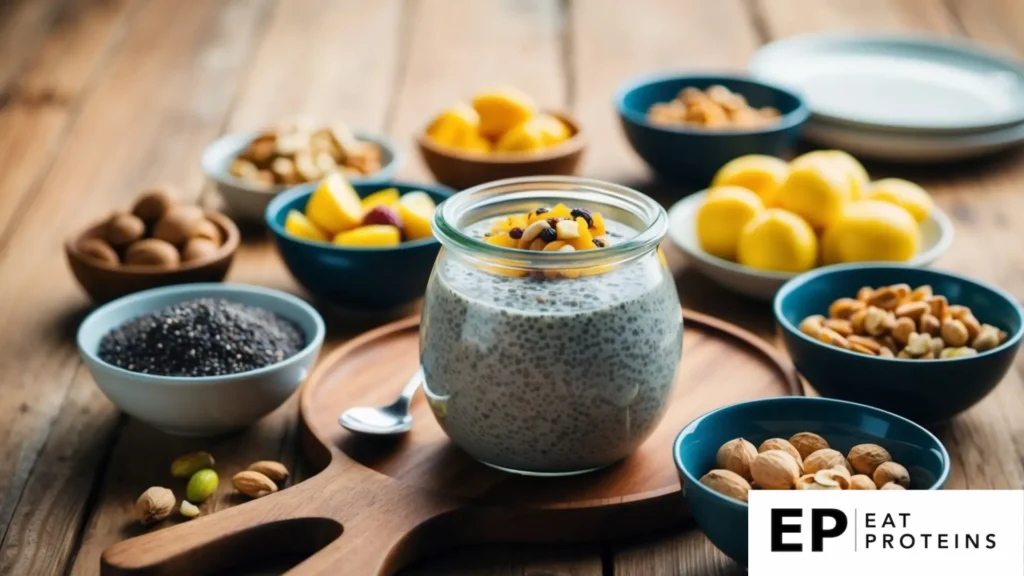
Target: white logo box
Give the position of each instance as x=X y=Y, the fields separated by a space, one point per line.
x=915 y=532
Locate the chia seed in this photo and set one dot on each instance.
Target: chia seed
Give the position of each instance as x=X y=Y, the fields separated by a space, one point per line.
x=202 y=337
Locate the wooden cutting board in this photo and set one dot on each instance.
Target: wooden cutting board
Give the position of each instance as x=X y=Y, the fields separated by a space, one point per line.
x=378 y=504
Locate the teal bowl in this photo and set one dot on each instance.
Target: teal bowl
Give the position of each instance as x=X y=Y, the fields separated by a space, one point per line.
x=926 y=391
x=359 y=279
x=692 y=155
x=842 y=424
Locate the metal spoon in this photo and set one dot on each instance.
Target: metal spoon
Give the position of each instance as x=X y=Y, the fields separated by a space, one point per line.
x=384 y=420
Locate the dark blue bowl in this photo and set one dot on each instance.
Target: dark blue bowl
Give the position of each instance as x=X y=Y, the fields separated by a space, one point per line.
x=842 y=424
x=692 y=155
x=364 y=279
x=926 y=391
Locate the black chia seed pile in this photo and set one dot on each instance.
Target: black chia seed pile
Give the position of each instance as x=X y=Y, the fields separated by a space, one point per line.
x=203 y=337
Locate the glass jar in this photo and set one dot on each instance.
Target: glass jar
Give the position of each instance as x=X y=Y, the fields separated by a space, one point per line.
x=550 y=363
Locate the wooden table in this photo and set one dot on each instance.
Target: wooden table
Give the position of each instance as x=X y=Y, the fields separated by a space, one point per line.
x=99 y=98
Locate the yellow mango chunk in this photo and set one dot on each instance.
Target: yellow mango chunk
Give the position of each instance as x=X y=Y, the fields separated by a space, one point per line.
x=372 y=236
x=537 y=244
x=523 y=137
x=500 y=110
x=503 y=240
x=416 y=209
x=598 y=228
x=296 y=224
x=335 y=206
x=475 y=143
x=385 y=197
x=555 y=246
x=455 y=126
x=517 y=221
x=586 y=239
x=560 y=211
x=553 y=131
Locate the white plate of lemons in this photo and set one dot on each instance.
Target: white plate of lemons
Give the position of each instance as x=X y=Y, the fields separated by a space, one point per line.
x=764 y=221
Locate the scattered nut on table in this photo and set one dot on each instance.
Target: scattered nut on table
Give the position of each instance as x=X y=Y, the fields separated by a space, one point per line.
x=804 y=462
x=253 y=484
x=899 y=322
x=273 y=470
x=155 y=504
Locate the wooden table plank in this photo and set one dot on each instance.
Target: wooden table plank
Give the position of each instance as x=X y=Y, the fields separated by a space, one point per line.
x=153 y=106
x=998 y=23
x=38 y=100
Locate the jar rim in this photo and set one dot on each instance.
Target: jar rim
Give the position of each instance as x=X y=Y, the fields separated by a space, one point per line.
x=535 y=190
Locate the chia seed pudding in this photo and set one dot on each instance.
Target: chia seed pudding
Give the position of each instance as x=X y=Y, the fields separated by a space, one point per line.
x=543 y=375
x=202 y=337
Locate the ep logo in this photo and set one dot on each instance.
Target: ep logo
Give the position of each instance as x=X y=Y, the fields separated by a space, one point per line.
x=790 y=525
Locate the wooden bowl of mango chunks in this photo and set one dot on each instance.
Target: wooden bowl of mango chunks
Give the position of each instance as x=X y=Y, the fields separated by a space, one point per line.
x=461 y=168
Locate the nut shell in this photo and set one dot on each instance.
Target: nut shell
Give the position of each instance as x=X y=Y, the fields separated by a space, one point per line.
x=152 y=252
x=155 y=504
x=807 y=443
x=198 y=249
x=727 y=483
x=98 y=250
x=775 y=470
x=865 y=458
x=210 y=231
x=891 y=472
x=153 y=204
x=781 y=444
x=123 y=229
x=862 y=482
x=736 y=456
x=825 y=459
x=178 y=225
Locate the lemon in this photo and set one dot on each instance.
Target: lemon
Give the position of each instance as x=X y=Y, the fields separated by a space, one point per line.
x=456 y=127
x=502 y=109
x=721 y=218
x=870 y=230
x=778 y=240
x=816 y=190
x=905 y=194
x=757 y=172
x=854 y=170
x=522 y=137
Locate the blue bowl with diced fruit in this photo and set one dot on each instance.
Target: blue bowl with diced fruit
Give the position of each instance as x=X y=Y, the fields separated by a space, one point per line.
x=361 y=247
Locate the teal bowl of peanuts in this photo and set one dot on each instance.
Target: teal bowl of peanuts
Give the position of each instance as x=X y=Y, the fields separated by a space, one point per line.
x=925 y=344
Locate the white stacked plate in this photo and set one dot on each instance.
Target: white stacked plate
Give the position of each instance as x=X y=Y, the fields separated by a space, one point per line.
x=907 y=99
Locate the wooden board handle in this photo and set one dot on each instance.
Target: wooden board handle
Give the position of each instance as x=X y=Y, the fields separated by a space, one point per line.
x=281 y=524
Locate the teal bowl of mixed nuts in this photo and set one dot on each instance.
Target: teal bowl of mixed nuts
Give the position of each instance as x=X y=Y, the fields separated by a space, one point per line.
x=923 y=343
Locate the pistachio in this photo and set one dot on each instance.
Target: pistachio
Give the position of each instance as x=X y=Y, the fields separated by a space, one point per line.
x=825 y=459
x=865 y=458
x=154 y=505
x=862 y=482
x=188 y=509
x=775 y=470
x=727 y=483
x=273 y=470
x=187 y=465
x=736 y=456
x=807 y=443
x=201 y=486
x=891 y=472
x=253 y=484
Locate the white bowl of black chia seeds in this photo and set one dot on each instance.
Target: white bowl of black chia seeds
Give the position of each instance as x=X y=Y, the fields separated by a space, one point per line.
x=201 y=359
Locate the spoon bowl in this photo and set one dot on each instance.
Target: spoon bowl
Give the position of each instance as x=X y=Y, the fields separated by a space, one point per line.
x=383 y=420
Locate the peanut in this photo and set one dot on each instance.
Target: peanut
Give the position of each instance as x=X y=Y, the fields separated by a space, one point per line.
x=886 y=298
x=843 y=308
x=929 y=324
x=842 y=327
x=954 y=333
x=903 y=329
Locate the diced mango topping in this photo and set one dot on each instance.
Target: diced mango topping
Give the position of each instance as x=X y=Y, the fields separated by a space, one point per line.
x=549 y=229
x=382 y=219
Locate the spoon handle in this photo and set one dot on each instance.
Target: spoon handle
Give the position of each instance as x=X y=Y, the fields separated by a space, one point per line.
x=412 y=385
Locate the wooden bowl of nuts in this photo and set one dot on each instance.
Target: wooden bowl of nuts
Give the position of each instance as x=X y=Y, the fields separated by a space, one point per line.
x=157 y=242
x=250 y=168
x=925 y=344
x=796 y=443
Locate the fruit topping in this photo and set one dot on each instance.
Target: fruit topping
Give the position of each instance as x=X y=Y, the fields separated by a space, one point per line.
x=382 y=219
x=549 y=235
x=567 y=229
